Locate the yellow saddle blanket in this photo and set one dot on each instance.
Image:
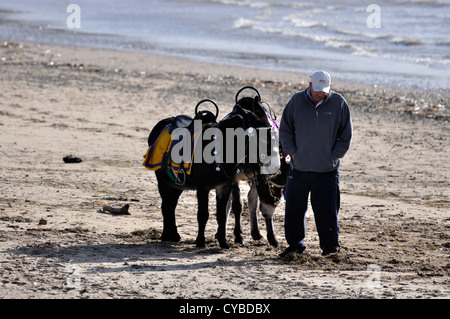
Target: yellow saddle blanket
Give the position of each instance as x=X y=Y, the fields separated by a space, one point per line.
x=158 y=154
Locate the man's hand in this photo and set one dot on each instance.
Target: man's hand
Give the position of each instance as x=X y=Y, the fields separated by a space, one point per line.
x=293 y=156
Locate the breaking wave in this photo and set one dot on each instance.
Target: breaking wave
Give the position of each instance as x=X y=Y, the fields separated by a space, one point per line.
x=406 y=41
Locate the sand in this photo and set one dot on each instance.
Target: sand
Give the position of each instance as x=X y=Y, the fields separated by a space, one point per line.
x=100 y=106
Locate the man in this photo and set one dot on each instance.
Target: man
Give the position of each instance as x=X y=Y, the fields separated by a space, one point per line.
x=316 y=131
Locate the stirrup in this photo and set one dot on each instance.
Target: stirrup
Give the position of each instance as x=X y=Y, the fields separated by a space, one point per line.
x=178 y=180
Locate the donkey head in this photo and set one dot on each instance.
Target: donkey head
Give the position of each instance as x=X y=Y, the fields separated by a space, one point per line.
x=253 y=111
x=270 y=187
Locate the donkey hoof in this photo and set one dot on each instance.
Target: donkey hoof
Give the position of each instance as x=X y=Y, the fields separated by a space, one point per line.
x=223 y=244
x=239 y=240
x=200 y=243
x=170 y=237
x=273 y=242
x=256 y=236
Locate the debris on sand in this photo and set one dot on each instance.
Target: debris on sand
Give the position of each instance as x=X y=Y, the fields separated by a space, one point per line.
x=72 y=159
x=115 y=211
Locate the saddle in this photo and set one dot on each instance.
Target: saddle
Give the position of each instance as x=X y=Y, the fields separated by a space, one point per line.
x=181 y=121
x=159 y=154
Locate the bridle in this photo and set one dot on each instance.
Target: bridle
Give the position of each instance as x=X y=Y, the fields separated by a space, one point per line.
x=272 y=185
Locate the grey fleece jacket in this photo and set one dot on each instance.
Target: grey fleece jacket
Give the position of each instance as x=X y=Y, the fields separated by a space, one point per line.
x=320 y=136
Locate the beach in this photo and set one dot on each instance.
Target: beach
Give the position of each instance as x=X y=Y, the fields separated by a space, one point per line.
x=100 y=105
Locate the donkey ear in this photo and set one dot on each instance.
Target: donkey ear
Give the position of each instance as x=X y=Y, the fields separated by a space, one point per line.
x=260 y=112
x=257 y=106
x=239 y=110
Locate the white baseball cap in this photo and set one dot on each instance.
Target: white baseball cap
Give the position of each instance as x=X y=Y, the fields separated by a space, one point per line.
x=321 y=81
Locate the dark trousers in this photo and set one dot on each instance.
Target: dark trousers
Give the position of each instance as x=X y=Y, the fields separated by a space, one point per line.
x=325 y=202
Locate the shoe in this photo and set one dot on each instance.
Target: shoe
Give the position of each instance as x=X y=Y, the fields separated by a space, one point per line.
x=330 y=250
x=291 y=251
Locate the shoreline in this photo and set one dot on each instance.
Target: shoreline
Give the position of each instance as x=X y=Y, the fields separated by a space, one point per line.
x=415 y=102
x=100 y=106
x=173 y=62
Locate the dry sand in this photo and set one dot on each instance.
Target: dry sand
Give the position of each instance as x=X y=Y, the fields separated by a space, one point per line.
x=100 y=106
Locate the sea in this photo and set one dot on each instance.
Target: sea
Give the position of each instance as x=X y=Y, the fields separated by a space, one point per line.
x=394 y=43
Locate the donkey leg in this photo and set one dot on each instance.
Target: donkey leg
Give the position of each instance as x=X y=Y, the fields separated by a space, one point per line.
x=228 y=210
x=253 y=209
x=169 y=197
x=222 y=196
x=202 y=215
x=270 y=232
x=237 y=211
x=267 y=212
